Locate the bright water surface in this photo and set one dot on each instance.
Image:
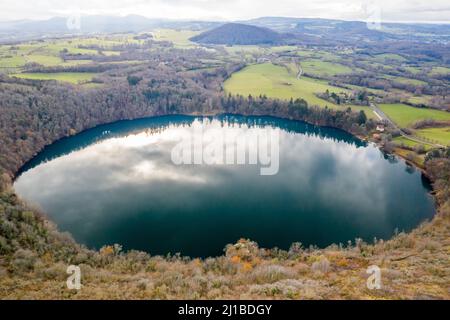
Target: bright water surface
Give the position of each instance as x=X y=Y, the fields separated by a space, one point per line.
x=117 y=184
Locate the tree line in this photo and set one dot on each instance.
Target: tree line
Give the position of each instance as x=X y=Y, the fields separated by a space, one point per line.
x=34 y=113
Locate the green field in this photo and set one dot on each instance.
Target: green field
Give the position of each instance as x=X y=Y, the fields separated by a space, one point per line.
x=325 y=55
x=12 y=62
x=413 y=70
x=389 y=56
x=407 y=81
x=439 y=135
x=404 y=141
x=180 y=38
x=45 y=60
x=72 y=77
x=371 y=90
x=277 y=49
x=440 y=71
x=425 y=100
x=56 y=48
x=47 y=53
x=305 y=53
x=276 y=82
x=409 y=143
x=405 y=116
x=69 y=63
x=323 y=68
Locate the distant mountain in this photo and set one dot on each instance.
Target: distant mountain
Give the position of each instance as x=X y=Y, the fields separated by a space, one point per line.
x=238 y=34
x=265 y=30
x=29 y=29
x=352 y=30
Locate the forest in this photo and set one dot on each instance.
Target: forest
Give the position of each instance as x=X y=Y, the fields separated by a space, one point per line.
x=36 y=113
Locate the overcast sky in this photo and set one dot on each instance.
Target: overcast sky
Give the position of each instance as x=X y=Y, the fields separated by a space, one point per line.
x=389 y=10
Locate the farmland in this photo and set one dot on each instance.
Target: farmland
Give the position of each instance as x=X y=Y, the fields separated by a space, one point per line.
x=405 y=116
x=439 y=135
x=49 y=53
x=179 y=38
x=323 y=68
x=71 y=77
x=408 y=142
x=276 y=82
x=276 y=77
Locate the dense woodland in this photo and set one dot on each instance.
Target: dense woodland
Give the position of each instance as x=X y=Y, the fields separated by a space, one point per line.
x=35 y=113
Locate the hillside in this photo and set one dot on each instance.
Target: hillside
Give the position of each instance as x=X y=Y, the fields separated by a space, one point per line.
x=238 y=34
x=34 y=255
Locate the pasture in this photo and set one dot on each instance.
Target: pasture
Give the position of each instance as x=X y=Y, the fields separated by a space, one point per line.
x=71 y=77
x=439 y=135
x=405 y=116
x=277 y=82
x=323 y=68
x=180 y=38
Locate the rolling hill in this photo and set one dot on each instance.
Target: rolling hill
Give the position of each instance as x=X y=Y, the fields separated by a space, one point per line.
x=238 y=34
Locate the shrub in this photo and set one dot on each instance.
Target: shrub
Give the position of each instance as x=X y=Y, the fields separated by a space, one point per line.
x=420 y=149
x=23 y=261
x=271 y=273
x=4 y=246
x=56 y=271
x=133 y=80
x=8 y=229
x=244 y=249
x=295 y=250
x=322 y=265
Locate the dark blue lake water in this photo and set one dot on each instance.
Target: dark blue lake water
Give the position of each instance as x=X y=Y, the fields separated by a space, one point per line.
x=118 y=184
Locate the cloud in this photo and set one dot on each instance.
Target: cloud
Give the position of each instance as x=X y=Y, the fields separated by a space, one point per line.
x=399 y=10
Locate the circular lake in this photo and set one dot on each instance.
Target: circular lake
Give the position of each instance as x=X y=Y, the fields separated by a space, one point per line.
x=130 y=183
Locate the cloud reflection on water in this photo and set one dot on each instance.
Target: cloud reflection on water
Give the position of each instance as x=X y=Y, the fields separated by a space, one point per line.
x=126 y=189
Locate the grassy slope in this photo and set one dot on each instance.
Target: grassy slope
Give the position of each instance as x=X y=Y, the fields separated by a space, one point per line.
x=409 y=143
x=72 y=77
x=440 y=71
x=180 y=38
x=413 y=266
x=389 y=56
x=424 y=99
x=323 y=68
x=439 y=135
x=45 y=60
x=405 y=115
x=12 y=62
x=276 y=82
x=47 y=53
x=406 y=81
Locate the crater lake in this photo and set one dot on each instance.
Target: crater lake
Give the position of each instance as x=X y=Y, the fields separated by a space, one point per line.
x=118 y=183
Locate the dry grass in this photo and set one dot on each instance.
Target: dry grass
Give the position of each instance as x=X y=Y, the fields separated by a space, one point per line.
x=414 y=266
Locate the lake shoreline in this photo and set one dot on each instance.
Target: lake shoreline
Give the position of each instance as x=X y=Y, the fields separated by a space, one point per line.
x=334 y=135
x=214 y=114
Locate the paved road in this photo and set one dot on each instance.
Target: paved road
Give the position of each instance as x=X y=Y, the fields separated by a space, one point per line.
x=382 y=116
